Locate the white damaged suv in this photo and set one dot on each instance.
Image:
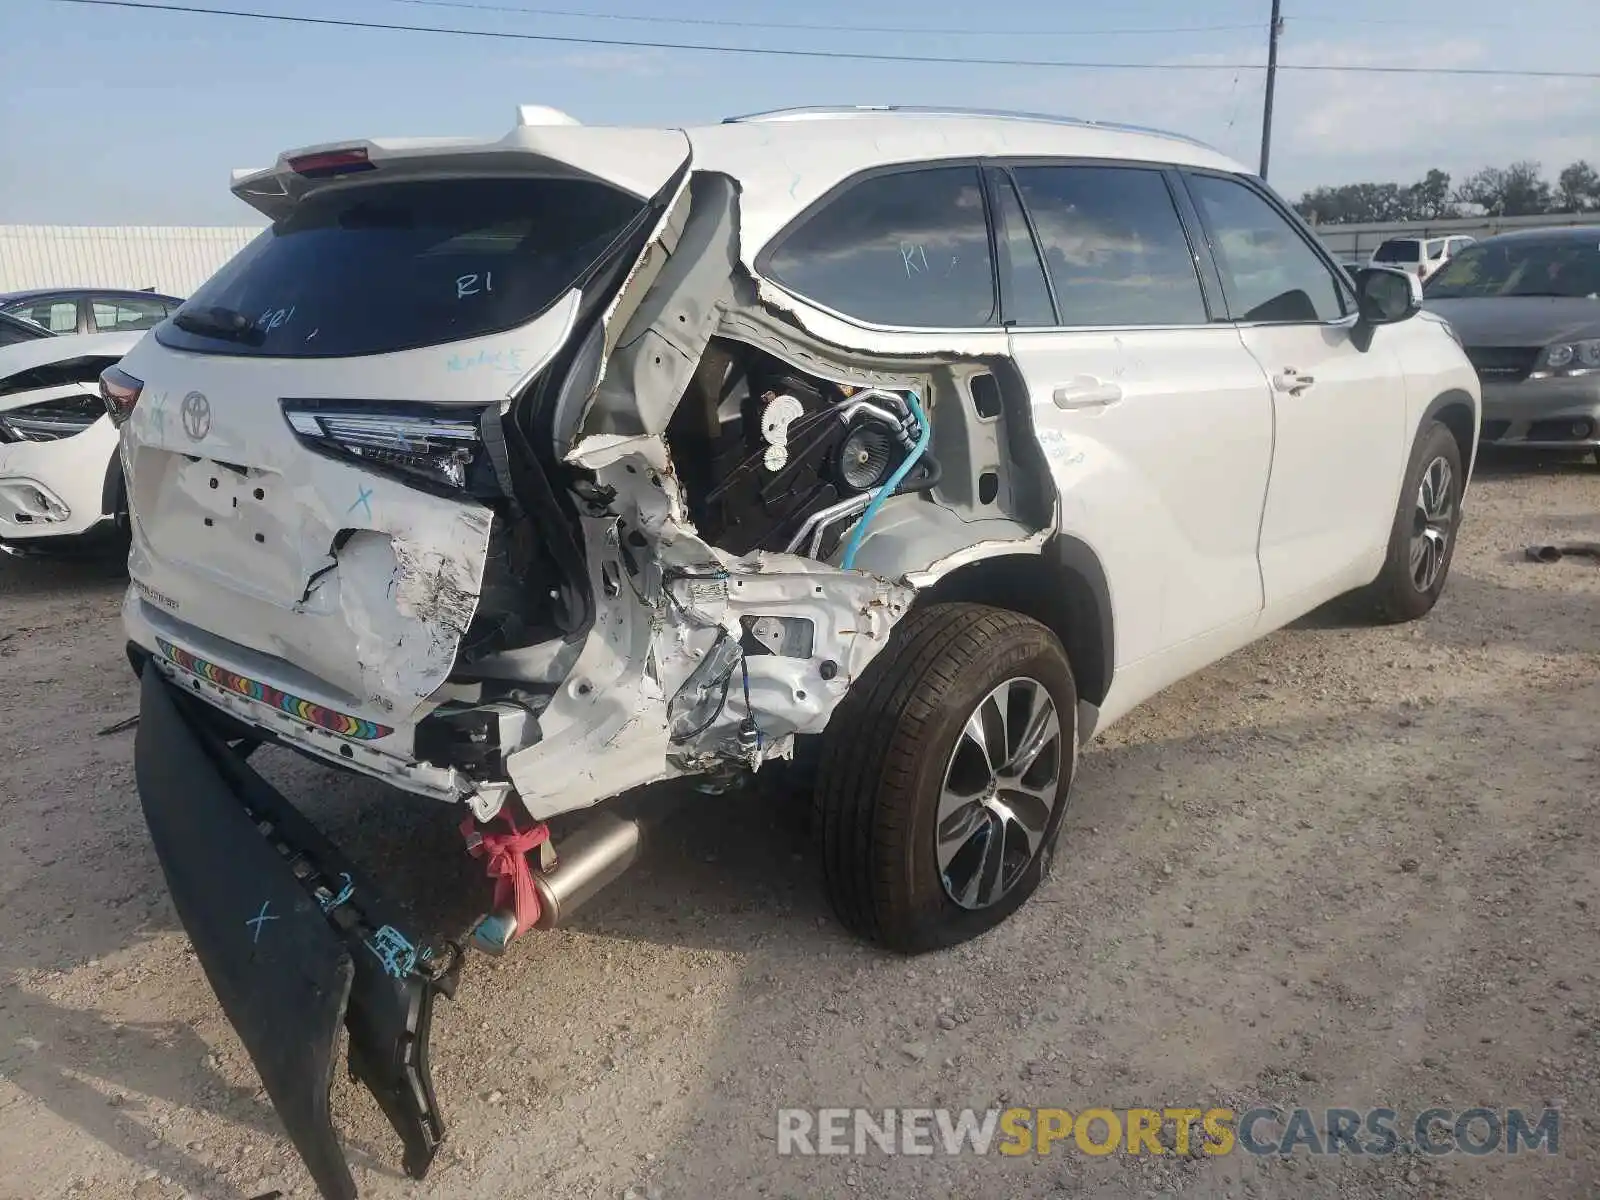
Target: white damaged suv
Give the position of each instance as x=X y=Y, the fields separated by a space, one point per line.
x=522 y=472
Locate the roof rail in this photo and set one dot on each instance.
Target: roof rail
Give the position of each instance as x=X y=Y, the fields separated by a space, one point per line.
x=823 y=112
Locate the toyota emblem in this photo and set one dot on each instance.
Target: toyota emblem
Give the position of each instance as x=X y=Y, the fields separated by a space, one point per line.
x=196 y=416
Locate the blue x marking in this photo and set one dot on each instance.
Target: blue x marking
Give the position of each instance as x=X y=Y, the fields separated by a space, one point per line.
x=260 y=919
x=363 y=500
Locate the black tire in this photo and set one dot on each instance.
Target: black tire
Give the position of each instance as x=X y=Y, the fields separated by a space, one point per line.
x=1396 y=595
x=883 y=762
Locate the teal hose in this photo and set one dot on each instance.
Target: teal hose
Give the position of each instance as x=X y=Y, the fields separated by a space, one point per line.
x=889 y=485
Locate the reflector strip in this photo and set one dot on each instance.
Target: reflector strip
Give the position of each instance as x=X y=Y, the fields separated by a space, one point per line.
x=303 y=710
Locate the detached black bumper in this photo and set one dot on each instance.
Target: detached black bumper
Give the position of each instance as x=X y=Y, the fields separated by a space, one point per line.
x=291 y=936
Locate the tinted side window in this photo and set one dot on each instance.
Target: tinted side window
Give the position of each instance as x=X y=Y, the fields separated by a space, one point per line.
x=909 y=248
x=1027 y=295
x=58 y=316
x=123 y=315
x=1114 y=245
x=1270 y=273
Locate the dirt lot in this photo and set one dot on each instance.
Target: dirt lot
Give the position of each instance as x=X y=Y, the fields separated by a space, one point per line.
x=1346 y=866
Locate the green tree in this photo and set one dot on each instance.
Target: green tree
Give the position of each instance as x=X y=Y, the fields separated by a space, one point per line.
x=1353 y=202
x=1578 y=188
x=1426 y=200
x=1429 y=198
x=1515 y=191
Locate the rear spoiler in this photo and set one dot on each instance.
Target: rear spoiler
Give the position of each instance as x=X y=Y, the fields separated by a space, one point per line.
x=543 y=142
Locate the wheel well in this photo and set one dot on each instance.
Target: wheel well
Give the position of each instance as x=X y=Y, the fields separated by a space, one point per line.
x=1063 y=588
x=1453 y=410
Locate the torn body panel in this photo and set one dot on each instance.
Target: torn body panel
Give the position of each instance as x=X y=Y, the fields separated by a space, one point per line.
x=244 y=527
x=669 y=600
x=312 y=597
x=728 y=453
x=667 y=311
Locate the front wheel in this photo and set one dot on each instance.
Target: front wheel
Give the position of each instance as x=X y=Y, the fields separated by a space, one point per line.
x=944 y=775
x=1422 y=541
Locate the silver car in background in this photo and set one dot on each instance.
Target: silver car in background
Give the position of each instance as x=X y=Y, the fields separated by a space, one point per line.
x=1526 y=307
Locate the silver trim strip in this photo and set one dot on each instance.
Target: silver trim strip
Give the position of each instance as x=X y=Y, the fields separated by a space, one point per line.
x=824 y=112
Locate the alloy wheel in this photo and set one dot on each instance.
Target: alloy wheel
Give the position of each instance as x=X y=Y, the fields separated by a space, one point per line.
x=1432 y=524
x=999 y=792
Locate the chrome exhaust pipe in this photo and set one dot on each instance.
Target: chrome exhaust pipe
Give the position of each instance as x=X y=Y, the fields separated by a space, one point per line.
x=592 y=856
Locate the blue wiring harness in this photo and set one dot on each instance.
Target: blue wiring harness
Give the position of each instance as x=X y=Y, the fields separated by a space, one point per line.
x=889 y=485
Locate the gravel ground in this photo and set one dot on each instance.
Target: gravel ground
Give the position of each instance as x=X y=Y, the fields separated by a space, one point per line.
x=1346 y=866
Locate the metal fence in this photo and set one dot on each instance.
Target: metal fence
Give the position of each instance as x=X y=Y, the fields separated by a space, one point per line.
x=172 y=259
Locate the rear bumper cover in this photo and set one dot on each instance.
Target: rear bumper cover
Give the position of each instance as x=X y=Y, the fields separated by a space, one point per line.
x=291 y=937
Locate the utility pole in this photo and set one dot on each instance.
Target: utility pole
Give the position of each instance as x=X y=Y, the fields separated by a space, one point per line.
x=1272 y=80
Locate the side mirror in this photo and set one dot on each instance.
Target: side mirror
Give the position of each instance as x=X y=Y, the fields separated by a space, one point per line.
x=1386 y=296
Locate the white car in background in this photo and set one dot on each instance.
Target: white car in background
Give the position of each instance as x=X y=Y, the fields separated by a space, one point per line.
x=522 y=473
x=60 y=476
x=1419 y=256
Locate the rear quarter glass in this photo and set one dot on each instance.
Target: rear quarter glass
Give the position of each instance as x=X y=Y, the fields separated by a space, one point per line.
x=382 y=267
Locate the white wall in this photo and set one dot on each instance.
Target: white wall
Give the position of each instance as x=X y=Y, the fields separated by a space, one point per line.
x=170 y=258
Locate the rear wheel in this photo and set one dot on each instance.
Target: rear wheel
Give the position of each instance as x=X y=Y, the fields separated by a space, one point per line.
x=944 y=775
x=1422 y=541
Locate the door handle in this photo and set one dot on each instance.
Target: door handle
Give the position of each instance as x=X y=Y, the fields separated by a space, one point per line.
x=1292 y=381
x=1085 y=391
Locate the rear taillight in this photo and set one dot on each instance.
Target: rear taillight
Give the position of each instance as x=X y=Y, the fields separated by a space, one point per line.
x=120 y=392
x=327 y=163
x=438 y=446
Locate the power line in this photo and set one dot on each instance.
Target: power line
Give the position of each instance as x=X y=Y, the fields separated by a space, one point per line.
x=728 y=23
x=844 y=55
x=1442 y=24
x=1400 y=23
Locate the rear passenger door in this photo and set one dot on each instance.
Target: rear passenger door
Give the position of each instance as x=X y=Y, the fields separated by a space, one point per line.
x=1338 y=395
x=1155 y=418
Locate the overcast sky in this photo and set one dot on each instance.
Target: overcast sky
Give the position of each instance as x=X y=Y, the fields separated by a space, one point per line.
x=112 y=116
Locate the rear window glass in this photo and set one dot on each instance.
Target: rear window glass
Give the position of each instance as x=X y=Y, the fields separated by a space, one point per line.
x=384 y=267
x=1401 y=250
